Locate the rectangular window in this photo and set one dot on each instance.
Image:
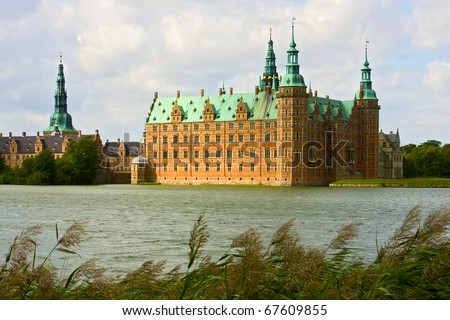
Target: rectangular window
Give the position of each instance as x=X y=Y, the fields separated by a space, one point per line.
x=218 y=153
x=218 y=126
x=206 y=154
x=230 y=138
x=196 y=139
x=267 y=137
x=155 y=128
x=155 y=154
x=206 y=138
x=252 y=137
x=218 y=138
x=185 y=127
x=185 y=154
x=218 y=167
x=196 y=154
x=185 y=167
x=241 y=126
x=155 y=139
x=164 y=127
x=229 y=153
x=175 y=154
x=230 y=125
x=185 y=139
x=196 y=127
x=267 y=153
x=175 y=167
x=252 y=153
x=164 y=154
x=268 y=167
x=240 y=153
x=206 y=126
x=229 y=166
x=165 y=140
x=175 y=139
x=196 y=167
x=240 y=166
x=207 y=167
x=165 y=166
x=175 y=128
x=241 y=138
x=252 y=125
x=252 y=167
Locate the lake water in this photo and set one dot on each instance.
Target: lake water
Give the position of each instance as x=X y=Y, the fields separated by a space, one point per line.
x=129 y=225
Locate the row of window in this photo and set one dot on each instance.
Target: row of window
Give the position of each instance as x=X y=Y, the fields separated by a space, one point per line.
x=218 y=167
x=268 y=153
x=218 y=138
x=217 y=126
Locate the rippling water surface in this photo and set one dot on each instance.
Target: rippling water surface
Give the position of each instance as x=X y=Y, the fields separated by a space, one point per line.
x=129 y=225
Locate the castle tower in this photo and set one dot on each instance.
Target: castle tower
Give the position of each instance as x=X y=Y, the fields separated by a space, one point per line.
x=292 y=109
x=270 y=75
x=60 y=117
x=367 y=115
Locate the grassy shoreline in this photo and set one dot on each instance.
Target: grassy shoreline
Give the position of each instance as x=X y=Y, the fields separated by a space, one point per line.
x=395 y=183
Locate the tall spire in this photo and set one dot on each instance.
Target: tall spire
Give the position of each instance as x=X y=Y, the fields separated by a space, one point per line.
x=366 y=91
x=60 y=117
x=293 y=76
x=270 y=75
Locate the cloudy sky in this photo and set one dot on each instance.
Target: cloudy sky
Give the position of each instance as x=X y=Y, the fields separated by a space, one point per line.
x=116 y=53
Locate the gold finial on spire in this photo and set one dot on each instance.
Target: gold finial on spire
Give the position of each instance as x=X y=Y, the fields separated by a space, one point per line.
x=270 y=31
x=60 y=57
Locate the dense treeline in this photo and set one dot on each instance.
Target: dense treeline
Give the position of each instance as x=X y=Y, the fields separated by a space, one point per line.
x=429 y=159
x=412 y=264
x=78 y=165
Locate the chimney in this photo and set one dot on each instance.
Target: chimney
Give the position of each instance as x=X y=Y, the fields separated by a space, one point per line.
x=202 y=92
x=268 y=90
x=10 y=134
x=220 y=92
x=256 y=90
x=315 y=93
x=118 y=140
x=178 y=94
x=37 y=134
x=155 y=95
x=231 y=91
x=24 y=134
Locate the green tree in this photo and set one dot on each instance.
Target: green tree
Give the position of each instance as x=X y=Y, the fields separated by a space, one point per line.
x=80 y=163
x=2 y=164
x=43 y=169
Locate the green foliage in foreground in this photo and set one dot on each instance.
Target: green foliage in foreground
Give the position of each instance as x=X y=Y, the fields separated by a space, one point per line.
x=413 y=264
x=411 y=182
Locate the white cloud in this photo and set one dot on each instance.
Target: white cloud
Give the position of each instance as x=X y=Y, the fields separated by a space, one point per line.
x=117 y=53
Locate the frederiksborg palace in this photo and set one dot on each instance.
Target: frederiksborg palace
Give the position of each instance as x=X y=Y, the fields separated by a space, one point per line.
x=282 y=133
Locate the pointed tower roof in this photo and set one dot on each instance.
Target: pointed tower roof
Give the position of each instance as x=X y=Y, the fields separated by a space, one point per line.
x=293 y=76
x=365 y=90
x=270 y=75
x=60 y=116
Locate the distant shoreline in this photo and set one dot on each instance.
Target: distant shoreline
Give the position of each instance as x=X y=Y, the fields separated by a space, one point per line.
x=394 y=183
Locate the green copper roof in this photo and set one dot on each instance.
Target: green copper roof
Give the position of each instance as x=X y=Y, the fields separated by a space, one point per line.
x=259 y=106
x=366 y=91
x=293 y=78
x=60 y=116
x=331 y=107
